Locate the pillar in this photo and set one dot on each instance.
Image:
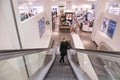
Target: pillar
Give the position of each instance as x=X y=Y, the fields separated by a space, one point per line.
x=48 y=19
x=100 y=8
x=68 y=5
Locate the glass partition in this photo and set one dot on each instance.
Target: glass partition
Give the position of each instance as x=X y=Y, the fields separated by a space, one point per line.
x=36 y=61
x=97 y=65
x=13 y=69
x=24 y=67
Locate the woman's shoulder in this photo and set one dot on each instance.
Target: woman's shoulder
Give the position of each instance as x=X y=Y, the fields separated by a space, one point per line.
x=66 y=42
x=62 y=42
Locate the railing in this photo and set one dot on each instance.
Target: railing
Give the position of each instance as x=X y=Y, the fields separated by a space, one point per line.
x=25 y=64
x=33 y=64
x=105 y=64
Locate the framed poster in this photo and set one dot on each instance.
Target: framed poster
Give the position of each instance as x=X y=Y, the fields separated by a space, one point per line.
x=105 y=24
x=111 y=28
x=41 y=25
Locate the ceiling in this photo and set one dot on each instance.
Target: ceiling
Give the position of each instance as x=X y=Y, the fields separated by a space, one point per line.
x=57 y=2
x=74 y=2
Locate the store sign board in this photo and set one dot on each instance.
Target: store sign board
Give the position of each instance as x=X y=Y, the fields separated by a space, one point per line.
x=111 y=28
x=61 y=6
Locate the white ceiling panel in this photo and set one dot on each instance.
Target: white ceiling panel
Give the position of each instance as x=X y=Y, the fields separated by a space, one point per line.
x=58 y=2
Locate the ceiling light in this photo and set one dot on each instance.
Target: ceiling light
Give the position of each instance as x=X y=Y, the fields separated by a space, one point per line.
x=30 y=3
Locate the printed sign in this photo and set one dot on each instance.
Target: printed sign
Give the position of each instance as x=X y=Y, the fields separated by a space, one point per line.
x=111 y=28
x=105 y=24
x=41 y=25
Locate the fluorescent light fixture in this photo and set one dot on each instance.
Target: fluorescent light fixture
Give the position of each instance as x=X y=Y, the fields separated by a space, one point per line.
x=90 y=0
x=85 y=62
x=30 y=3
x=85 y=6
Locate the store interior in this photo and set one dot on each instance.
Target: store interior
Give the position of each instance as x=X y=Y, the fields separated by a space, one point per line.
x=82 y=17
x=91 y=17
x=30 y=24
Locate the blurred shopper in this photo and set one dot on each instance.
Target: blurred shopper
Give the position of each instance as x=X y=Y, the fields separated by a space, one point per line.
x=64 y=45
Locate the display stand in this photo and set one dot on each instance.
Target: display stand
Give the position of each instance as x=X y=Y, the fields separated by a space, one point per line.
x=64 y=29
x=87 y=28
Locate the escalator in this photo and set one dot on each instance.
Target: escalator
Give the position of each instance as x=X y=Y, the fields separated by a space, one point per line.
x=43 y=64
x=60 y=71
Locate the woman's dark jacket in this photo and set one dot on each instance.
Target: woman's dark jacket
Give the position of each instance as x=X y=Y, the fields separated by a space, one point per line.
x=63 y=47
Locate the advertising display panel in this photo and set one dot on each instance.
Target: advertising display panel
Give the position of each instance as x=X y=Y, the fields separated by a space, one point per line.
x=41 y=25
x=69 y=17
x=90 y=16
x=93 y=6
x=105 y=24
x=111 y=28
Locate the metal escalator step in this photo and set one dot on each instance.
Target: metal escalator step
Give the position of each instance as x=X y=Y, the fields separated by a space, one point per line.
x=48 y=57
x=104 y=77
x=60 y=79
x=60 y=71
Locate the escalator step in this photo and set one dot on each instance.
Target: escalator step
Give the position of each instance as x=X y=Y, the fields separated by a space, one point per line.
x=60 y=71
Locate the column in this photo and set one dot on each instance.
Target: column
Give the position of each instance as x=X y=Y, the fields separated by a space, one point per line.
x=68 y=5
x=47 y=10
x=8 y=33
x=100 y=8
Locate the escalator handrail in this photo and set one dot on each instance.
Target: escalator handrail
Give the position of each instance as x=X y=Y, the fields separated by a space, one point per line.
x=6 y=54
x=108 y=55
x=16 y=50
x=98 y=51
x=76 y=70
x=115 y=54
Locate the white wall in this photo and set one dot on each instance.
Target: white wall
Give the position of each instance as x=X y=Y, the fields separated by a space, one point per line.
x=98 y=16
x=29 y=30
x=102 y=37
x=98 y=36
x=29 y=33
x=8 y=34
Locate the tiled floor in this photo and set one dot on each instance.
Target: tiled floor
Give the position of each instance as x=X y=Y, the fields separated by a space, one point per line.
x=86 y=40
